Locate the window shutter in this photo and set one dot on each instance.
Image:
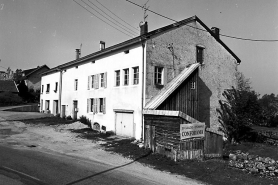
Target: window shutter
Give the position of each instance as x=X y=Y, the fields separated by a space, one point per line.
x=105 y=79
x=96 y=104
x=88 y=83
x=104 y=105
x=97 y=81
x=165 y=80
x=88 y=105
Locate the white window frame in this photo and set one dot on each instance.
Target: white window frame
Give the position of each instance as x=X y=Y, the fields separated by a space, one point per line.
x=135 y=75
x=118 y=78
x=158 y=70
x=126 y=76
x=75 y=84
x=101 y=80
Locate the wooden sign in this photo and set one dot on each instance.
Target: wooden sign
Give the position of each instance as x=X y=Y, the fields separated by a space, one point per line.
x=193 y=130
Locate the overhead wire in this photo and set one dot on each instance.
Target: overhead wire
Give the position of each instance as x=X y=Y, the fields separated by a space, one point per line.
x=113 y=18
x=239 y=38
x=103 y=20
x=132 y=33
x=118 y=16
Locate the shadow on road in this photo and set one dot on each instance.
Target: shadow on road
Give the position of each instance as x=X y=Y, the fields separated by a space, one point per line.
x=111 y=169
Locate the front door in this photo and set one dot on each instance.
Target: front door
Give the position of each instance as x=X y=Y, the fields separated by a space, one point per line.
x=75 y=109
x=55 y=107
x=63 y=112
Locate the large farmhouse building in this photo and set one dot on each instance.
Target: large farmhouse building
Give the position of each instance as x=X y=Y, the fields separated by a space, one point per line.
x=183 y=66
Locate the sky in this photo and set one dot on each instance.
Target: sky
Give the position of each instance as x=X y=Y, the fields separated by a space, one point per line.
x=38 y=32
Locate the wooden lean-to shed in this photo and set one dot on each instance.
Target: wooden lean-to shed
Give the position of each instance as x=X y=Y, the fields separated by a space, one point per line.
x=177 y=104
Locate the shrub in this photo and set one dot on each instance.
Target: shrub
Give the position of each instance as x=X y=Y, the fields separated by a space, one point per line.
x=237 y=113
x=68 y=118
x=8 y=98
x=85 y=121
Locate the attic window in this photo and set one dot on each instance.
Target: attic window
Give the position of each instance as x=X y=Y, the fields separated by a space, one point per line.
x=126 y=51
x=192 y=85
x=76 y=67
x=93 y=61
x=200 y=54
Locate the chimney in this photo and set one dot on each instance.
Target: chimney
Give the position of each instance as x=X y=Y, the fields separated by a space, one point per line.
x=144 y=28
x=77 y=53
x=216 y=32
x=101 y=45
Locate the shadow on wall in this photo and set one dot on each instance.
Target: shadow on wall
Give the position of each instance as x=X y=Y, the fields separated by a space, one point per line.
x=204 y=102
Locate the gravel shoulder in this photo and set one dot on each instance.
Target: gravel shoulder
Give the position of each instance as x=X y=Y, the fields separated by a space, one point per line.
x=60 y=139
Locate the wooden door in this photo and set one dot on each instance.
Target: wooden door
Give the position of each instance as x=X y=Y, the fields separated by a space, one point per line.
x=75 y=104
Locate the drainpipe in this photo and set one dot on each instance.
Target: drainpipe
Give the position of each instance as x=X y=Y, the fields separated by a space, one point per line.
x=143 y=85
x=60 y=92
x=143 y=31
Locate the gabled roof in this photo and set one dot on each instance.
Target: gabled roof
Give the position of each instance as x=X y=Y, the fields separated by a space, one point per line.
x=8 y=86
x=28 y=72
x=138 y=40
x=171 y=87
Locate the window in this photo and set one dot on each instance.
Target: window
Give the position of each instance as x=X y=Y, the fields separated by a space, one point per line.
x=46 y=104
x=117 y=74
x=126 y=51
x=47 y=88
x=96 y=105
x=93 y=81
x=126 y=76
x=75 y=84
x=101 y=79
x=56 y=87
x=200 y=54
x=101 y=105
x=192 y=85
x=92 y=104
x=158 y=75
x=136 y=75
x=42 y=89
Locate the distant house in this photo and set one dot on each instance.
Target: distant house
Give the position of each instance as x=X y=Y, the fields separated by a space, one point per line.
x=2 y=75
x=183 y=67
x=32 y=77
x=8 y=86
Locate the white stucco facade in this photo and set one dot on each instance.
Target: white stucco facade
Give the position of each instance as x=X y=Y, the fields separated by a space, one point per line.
x=49 y=97
x=116 y=99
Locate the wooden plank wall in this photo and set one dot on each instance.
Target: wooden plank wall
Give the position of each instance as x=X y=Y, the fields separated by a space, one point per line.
x=213 y=144
x=184 y=98
x=162 y=135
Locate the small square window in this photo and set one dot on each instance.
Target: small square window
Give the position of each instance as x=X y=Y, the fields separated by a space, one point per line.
x=192 y=85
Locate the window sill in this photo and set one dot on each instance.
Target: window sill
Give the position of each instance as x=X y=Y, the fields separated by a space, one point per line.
x=159 y=86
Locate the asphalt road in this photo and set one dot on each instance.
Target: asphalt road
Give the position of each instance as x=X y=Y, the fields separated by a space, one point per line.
x=35 y=167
